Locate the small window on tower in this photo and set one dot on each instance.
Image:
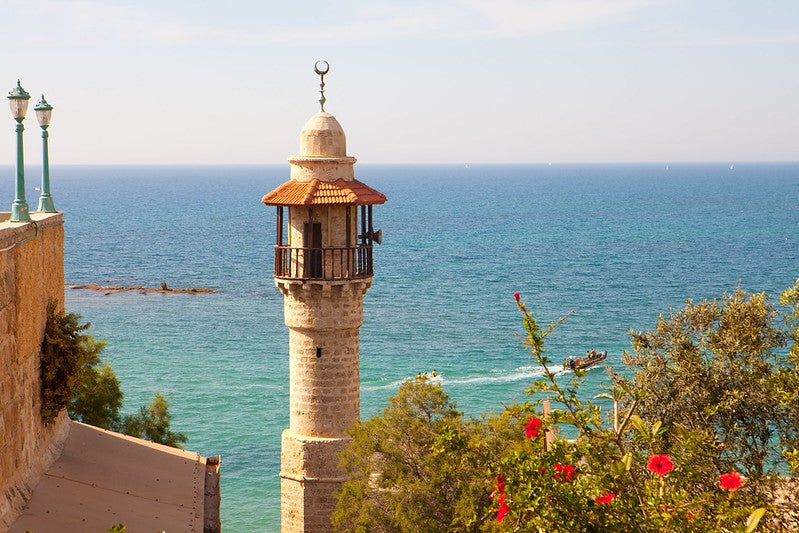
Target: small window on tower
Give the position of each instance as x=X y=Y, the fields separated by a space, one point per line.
x=318 y=352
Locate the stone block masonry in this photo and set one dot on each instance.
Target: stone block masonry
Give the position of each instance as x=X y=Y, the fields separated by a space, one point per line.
x=324 y=320
x=31 y=272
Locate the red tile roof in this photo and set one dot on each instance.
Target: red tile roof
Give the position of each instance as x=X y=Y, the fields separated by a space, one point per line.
x=318 y=192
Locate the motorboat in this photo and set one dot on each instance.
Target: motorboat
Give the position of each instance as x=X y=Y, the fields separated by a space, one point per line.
x=592 y=357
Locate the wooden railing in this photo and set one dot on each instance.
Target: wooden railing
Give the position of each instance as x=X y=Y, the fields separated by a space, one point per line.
x=323 y=263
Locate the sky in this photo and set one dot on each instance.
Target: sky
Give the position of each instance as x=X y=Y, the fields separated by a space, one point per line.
x=427 y=81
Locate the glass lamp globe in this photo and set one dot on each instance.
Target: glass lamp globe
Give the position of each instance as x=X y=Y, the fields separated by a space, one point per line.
x=18 y=99
x=44 y=112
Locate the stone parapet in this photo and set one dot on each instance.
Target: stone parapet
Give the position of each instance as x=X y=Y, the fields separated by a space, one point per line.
x=31 y=272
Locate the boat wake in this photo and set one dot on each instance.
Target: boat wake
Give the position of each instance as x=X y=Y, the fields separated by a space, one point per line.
x=522 y=373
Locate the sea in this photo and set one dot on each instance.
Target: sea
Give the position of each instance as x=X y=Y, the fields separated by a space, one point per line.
x=615 y=245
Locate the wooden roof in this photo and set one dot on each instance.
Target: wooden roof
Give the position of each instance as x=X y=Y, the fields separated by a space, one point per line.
x=318 y=192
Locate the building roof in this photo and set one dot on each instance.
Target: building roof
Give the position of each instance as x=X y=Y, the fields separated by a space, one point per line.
x=319 y=192
x=104 y=478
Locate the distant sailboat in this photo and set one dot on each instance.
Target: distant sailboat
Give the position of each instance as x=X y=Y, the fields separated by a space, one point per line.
x=732 y=167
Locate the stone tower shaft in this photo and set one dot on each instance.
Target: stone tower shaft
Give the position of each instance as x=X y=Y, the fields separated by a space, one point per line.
x=324 y=321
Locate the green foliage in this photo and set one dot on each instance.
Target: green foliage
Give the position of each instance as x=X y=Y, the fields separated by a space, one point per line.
x=713 y=367
x=66 y=349
x=97 y=398
x=602 y=479
x=786 y=379
x=153 y=423
x=417 y=467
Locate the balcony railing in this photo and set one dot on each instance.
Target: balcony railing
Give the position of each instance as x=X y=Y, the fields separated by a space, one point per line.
x=325 y=264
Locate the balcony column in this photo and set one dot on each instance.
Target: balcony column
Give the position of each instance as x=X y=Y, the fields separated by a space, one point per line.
x=349 y=227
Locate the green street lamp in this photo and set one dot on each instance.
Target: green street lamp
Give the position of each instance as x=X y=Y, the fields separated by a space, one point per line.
x=43 y=112
x=18 y=99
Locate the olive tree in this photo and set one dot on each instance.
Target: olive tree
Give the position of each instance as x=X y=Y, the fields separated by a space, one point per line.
x=719 y=366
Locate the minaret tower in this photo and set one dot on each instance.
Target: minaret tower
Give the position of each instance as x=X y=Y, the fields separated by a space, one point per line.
x=323 y=267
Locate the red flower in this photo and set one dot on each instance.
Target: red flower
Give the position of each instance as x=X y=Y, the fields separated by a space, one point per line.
x=731 y=481
x=531 y=427
x=516 y=295
x=567 y=471
x=503 y=507
x=605 y=498
x=660 y=464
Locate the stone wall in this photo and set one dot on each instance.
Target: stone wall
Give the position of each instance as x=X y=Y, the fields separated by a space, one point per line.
x=31 y=272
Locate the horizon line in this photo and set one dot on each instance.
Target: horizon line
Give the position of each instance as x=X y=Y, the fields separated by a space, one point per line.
x=465 y=163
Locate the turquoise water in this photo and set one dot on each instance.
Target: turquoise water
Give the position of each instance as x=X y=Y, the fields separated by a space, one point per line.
x=617 y=244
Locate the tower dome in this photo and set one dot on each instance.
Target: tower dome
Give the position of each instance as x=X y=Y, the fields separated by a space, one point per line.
x=323 y=136
x=323 y=151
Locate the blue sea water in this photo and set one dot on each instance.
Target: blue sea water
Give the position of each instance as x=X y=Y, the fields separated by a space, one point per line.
x=617 y=244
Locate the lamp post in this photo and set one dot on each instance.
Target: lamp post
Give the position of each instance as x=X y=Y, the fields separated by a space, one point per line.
x=18 y=99
x=43 y=112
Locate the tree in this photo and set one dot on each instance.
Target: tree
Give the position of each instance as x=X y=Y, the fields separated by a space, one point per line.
x=97 y=398
x=153 y=423
x=715 y=366
x=66 y=350
x=418 y=466
x=786 y=379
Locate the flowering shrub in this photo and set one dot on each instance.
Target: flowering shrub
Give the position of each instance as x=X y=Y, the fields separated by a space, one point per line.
x=611 y=476
x=563 y=472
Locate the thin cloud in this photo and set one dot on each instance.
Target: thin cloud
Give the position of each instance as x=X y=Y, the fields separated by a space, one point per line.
x=374 y=27
x=739 y=41
x=462 y=19
x=91 y=20
x=520 y=18
x=124 y=23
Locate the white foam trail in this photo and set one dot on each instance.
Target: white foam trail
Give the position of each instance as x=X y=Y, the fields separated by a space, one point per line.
x=523 y=373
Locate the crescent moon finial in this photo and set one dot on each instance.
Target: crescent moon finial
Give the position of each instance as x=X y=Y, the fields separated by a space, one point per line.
x=322 y=67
